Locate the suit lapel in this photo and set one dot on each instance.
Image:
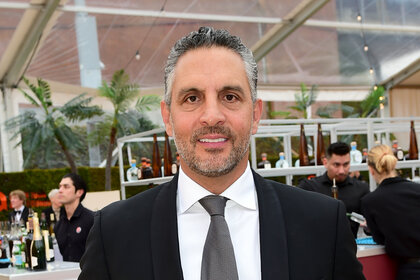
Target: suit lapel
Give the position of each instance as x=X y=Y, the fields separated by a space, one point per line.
x=273 y=242
x=164 y=234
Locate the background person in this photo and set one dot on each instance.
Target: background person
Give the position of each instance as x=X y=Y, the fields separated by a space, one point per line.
x=271 y=231
x=392 y=212
x=350 y=190
x=54 y=208
x=75 y=221
x=17 y=202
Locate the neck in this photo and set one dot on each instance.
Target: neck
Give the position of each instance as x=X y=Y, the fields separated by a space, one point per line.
x=219 y=184
x=382 y=177
x=71 y=207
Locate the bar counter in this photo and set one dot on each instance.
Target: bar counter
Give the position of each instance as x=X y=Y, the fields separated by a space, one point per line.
x=377 y=265
x=57 y=270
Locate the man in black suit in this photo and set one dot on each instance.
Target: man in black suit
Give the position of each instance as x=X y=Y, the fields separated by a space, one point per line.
x=20 y=212
x=277 y=231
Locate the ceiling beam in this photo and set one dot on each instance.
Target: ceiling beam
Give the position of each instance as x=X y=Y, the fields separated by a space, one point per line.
x=282 y=30
x=32 y=29
x=402 y=75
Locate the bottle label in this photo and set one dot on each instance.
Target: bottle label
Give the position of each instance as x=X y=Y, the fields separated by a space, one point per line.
x=34 y=261
x=47 y=245
x=51 y=253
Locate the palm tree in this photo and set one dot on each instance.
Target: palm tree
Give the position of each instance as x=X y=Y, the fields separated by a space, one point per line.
x=41 y=130
x=122 y=94
x=303 y=101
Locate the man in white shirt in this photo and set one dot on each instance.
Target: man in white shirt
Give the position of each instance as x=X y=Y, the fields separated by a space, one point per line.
x=211 y=110
x=20 y=213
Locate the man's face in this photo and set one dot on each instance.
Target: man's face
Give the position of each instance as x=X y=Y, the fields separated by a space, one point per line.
x=211 y=116
x=337 y=167
x=55 y=202
x=67 y=193
x=15 y=202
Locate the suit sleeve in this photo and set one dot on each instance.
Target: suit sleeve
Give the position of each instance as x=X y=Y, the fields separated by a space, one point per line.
x=93 y=263
x=346 y=265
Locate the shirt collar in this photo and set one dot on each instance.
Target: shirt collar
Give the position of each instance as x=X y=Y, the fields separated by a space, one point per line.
x=242 y=191
x=346 y=181
x=21 y=208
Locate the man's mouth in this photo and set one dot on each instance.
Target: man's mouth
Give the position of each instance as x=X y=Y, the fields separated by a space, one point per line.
x=209 y=140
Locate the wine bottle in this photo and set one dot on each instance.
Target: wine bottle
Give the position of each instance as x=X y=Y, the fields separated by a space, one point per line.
x=38 y=259
x=413 y=151
x=320 y=148
x=52 y=225
x=334 y=190
x=28 y=240
x=167 y=157
x=303 y=148
x=156 y=161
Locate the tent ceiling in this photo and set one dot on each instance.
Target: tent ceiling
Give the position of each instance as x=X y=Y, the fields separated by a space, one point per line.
x=326 y=50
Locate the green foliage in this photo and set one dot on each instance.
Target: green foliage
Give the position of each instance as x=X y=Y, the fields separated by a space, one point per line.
x=42 y=131
x=303 y=101
x=123 y=121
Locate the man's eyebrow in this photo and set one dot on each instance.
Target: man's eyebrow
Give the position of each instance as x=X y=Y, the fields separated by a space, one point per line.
x=233 y=88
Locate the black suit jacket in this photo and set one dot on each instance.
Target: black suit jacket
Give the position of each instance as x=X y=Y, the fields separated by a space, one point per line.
x=303 y=236
x=24 y=216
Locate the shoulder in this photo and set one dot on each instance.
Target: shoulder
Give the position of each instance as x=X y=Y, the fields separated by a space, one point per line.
x=310 y=184
x=294 y=196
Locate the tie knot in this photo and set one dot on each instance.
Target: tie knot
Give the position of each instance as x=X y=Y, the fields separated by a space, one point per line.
x=214 y=204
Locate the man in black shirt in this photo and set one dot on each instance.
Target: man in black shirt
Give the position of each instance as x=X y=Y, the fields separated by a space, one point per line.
x=75 y=220
x=350 y=190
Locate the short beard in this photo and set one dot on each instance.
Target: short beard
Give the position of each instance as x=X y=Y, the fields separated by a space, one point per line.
x=217 y=166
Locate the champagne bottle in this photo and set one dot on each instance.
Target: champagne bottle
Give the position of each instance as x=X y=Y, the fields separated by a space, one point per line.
x=303 y=148
x=49 y=250
x=52 y=225
x=167 y=157
x=156 y=161
x=38 y=259
x=413 y=151
x=320 y=148
x=334 y=190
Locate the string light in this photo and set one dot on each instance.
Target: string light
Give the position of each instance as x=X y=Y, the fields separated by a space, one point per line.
x=359 y=17
x=371 y=70
x=365 y=48
x=375 y=87
x=137 y=55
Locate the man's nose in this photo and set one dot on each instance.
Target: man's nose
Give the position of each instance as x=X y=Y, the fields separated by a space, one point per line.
x=212 y=113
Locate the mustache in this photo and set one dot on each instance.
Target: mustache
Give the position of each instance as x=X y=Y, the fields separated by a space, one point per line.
x=211 y=130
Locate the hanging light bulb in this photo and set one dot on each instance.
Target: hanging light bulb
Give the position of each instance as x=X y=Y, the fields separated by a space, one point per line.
x=371 y=70
x=365 y=48
x=137 y=55
x=375 y=87
x=359 y=17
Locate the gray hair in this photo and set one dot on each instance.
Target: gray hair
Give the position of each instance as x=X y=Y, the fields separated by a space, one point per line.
x=207 y=37
x=52 y=193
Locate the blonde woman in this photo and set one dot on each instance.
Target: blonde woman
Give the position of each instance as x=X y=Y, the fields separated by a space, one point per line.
x=392 y=212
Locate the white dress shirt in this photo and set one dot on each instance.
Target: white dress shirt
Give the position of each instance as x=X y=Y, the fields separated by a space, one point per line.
x=19 y=215
x=241 y=215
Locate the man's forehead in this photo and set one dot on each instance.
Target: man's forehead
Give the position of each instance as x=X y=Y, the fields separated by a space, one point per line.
x=339 y=158
x=66 y=181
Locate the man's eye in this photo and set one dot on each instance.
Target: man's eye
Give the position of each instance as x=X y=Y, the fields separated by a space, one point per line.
x=230 y=97
x=192 y=99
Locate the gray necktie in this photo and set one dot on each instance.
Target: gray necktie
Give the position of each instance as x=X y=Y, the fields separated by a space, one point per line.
x=218 y=257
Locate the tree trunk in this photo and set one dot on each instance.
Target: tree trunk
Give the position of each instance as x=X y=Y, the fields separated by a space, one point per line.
x=69 y=157
x=109 y=158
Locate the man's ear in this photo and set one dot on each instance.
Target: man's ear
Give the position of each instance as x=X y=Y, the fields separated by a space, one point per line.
x=257 y=111
x=80 y=192
x=325 y=161
x=166 y=116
